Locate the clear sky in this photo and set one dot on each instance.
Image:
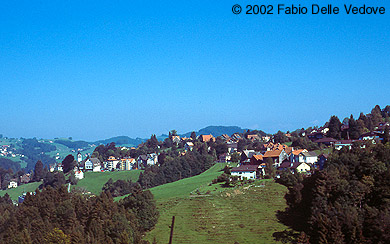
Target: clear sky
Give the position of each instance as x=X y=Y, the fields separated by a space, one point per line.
x=97 y=69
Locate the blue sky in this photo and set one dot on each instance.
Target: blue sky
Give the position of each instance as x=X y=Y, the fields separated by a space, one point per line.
x=97 y=69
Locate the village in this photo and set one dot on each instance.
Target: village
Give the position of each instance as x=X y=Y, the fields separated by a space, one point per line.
x=250 y=164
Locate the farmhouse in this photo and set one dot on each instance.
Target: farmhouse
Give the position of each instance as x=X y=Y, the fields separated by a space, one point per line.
x=295 y=166
x=245 y=171
x=277 y=156
x=93 y=164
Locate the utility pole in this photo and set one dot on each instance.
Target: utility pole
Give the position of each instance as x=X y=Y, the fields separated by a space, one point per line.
x=171 y=236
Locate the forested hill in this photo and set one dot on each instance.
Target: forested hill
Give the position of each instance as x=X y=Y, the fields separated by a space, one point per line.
x=122 y=140
x=217 y=130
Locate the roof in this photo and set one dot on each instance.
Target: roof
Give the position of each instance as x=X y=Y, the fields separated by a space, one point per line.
x=297 y=152
x=143 y=157
x=255 y=136
x=309 y=154
x=344 y=142
x=258 y=157
x=245 y=168
x=190 y=144
x=272 y=154
x=95 y=161
x=249 y=153
x=288 y=150
x=325 y=139
x=324 y=155
x=291 y=165
x=232 y=145
x=206 y=138
x=226 y=136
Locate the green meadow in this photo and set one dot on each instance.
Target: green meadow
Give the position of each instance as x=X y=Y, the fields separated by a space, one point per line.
x=212 y=214
x=14 y=193
x=94 y=181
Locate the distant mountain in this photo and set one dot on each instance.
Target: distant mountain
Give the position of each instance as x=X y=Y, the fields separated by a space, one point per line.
x=121 y=140
x=162 y=137
x=217 y=131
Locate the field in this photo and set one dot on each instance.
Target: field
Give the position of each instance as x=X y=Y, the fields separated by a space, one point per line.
x=94 y=181
x=15 y=192
x=213 y=214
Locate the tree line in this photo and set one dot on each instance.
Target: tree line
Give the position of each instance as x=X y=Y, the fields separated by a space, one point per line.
x=56 y=216
x=347 y=202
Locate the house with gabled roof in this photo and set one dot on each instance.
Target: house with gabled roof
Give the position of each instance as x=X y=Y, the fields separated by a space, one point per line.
x=236 y=137
x=316 y=136
x=92 y=164
x=370 y=136
x=277 y=156
x=343 y=143
x=225 y=157
x=253 y=137
x=232 y=147
x=13 y=183
x=295 y=167
x=322 y=158
x=246 y=155
x=257 y=159
x=327 y=141
x=296 y=155
x=310 y=157
x=246 y=171
x=189 y=146
x=225 y=137
x=152 y=159
x=175 y=139
x=206 y=138
x=142 y=160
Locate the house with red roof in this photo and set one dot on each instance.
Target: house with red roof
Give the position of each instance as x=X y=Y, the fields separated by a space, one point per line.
x=206 y=138
x=277 y=156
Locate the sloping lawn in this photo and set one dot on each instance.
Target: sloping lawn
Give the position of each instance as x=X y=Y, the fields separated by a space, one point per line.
x=244 y=214
x=185 y=186
x=94 y=181
x=14 y=193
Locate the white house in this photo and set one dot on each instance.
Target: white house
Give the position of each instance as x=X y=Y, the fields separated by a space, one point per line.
x=343 y=143
x=79 y=157
x=245 y=171
x=309 y=157
x=295 y=166
x=59 y=167
x=12 y=184
x=93 y=164
x=232 y=147
x=301 y=167
x=111 y=163
x=277 y=156
x=297 y=156
x=79 y=174
x=189 y=146
x=152 y=159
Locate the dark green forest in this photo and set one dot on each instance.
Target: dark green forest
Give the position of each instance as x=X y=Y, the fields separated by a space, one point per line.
x=56 y=216
x=347 y=202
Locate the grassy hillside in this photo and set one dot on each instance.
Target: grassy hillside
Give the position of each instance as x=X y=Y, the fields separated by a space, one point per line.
x=94 y=181
x=244 y=214
x=15 y=192
x=184 y=187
